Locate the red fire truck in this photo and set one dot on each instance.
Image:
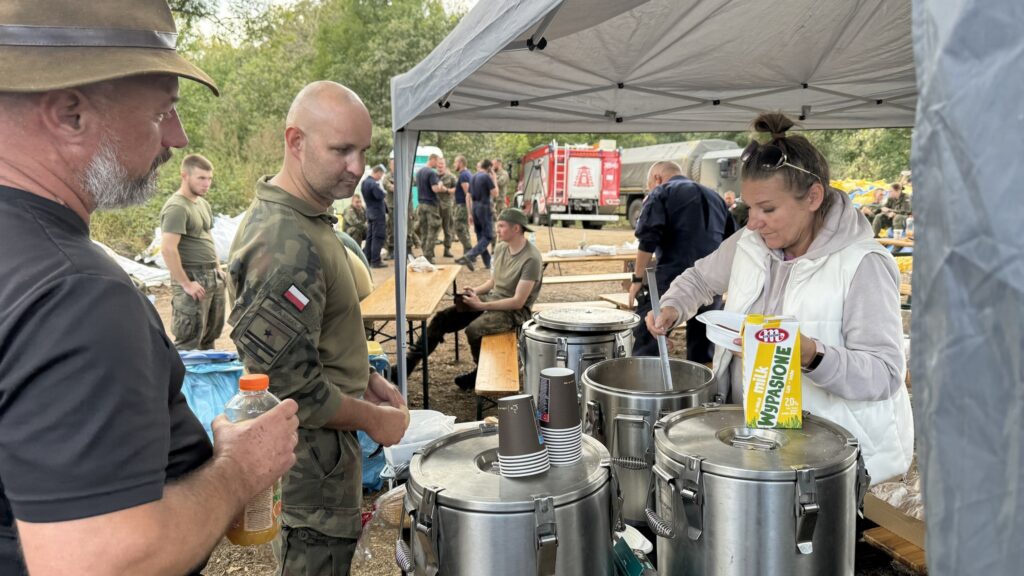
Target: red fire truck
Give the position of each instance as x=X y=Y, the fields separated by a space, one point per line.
x=569 y=183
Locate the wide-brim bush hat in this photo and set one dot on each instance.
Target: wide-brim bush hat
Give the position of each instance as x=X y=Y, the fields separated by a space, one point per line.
x=54 y=44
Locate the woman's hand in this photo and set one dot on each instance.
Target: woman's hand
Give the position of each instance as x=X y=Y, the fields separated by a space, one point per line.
x=666 y=320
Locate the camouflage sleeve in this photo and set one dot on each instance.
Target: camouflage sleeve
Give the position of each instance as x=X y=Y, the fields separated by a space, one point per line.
x=349 y=217
x=280 y=292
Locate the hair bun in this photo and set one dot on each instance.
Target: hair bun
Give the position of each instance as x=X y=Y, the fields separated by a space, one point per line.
x=774 y=123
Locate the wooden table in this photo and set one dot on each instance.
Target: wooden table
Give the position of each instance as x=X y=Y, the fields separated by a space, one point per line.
x=423 y=292
x=901 y=242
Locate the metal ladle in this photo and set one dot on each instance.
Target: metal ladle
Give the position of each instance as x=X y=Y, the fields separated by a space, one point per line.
x=666 y=369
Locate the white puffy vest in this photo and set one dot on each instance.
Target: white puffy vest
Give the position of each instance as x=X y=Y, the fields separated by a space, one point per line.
x=885 y=428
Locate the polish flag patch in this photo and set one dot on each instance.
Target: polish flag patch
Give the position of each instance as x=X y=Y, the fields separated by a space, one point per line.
x=296 y=297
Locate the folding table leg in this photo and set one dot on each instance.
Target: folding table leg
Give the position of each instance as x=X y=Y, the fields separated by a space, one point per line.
x=426 y=371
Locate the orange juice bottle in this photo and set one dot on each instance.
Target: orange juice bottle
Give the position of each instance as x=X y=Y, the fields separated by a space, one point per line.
x=259 y=521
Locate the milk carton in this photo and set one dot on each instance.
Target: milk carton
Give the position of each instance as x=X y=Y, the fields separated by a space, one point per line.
x=771 y=372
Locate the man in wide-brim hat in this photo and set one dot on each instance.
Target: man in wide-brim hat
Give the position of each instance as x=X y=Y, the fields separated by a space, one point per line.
x=103 y=467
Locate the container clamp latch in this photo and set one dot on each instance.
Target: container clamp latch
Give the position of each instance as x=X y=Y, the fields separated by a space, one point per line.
x=426 y=532
x=806 y=510
x=547 y=535
x=562 y=352
x=691 y=492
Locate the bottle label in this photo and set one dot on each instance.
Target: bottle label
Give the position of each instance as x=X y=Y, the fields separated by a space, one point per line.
x=260 y=511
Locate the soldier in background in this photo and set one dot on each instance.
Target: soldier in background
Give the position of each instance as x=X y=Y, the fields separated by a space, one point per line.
x=197 y=305
x=412 y=239
x=445 y=203
x=354 y=219
x=895 y=211
x=460 y=218
x=296 y=318
x=501 y=179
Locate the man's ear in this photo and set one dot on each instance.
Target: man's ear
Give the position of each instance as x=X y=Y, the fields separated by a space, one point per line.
x=294 y=139
x=69 y=114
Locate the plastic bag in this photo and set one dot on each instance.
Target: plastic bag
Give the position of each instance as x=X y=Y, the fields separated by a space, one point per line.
x=421 y=264
x=380 y=527
x=208 y=387
x=373 y=461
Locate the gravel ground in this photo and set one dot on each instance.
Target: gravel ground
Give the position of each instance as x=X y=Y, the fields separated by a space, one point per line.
x=446 y=397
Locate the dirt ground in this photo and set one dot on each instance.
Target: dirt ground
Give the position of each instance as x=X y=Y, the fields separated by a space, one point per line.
x=446 y=397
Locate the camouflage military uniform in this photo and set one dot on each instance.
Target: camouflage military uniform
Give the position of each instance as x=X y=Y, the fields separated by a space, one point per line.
x=196 y=324
x=901 y=207
x=430 y=226
x=355 y=223
x=460 y=224
x=296 y=318
x=411 y=237
x=445 y=204
x=498 y=204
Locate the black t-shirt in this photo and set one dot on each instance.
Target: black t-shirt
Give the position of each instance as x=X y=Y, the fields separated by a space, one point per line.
x=480 y=188
x=426 y=179
x=92 y=419
x=464 y=177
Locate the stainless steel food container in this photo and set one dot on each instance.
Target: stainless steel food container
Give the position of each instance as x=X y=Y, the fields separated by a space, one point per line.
x=573 y=338
x=468 y=520
x=730 y=500
x=622 y=399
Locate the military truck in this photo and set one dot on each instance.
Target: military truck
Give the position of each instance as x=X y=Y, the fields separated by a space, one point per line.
x=713 y=163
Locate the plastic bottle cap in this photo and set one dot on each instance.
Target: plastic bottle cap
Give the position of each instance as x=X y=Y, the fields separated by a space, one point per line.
x=253 y=382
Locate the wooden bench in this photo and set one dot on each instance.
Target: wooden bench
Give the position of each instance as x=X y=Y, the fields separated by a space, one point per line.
x=497 y=372
x=541 y=306
x=585 y=278
x=619 y=299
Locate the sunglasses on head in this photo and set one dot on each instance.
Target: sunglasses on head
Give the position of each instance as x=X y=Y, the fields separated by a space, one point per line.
x=771 y=158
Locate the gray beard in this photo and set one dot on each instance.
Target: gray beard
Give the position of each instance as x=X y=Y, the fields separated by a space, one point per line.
x=106 y=179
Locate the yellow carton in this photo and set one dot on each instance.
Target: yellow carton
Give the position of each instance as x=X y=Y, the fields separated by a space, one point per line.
x=771 y=372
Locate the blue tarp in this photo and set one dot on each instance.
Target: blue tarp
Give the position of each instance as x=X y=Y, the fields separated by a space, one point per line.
x=208 y=387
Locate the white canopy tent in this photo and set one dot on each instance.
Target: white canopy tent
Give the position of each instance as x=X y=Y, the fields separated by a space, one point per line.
x=594 y=66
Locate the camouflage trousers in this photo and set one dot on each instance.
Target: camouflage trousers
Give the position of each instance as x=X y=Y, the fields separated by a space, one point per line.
x=898 y=221
x=358 y=233
x=460 y=224
x=306 y=552
x=411 y=237
x=445 y=205
x=430 y=223
x=196 y=324
x=496 y=206
x=477 y=324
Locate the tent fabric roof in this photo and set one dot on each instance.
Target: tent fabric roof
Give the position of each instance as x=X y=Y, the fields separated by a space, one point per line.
x=664 y=66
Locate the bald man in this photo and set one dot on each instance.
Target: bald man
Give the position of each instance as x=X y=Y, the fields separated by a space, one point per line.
x=296 y=318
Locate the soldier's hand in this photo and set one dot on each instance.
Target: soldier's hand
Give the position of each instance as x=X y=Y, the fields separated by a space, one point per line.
x=261 y=450
x=380 y=391
x=666 y=319
x=195 y=290
x=388 y=425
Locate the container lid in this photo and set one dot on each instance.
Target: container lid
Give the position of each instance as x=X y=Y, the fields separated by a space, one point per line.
x=728 y=448
x=575 y=319
x=461 y=468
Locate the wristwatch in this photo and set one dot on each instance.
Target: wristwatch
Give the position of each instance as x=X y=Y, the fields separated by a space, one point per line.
x=818 y=355
x=637 y=279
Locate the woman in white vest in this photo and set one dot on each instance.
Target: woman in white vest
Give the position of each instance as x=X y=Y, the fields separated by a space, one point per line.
x=806 y=252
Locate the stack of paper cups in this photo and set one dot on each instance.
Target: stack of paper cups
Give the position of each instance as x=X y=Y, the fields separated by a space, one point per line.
x=521 y=450
x=560 y=416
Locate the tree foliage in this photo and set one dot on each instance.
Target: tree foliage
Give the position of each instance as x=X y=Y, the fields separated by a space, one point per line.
x=261 y=53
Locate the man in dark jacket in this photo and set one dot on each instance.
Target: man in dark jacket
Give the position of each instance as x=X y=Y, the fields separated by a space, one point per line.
x=376 y=217
x=681 y=222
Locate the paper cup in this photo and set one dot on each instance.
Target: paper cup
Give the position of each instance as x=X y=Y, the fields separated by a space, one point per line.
x=559 y=399
x=518 y=434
